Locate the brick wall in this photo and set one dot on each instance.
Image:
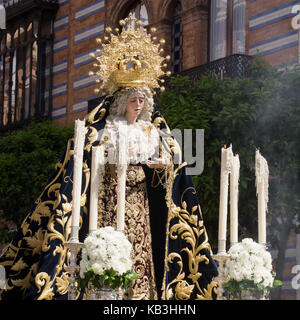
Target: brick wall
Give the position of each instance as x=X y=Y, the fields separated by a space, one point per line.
x=269 y=31
x=78 y=24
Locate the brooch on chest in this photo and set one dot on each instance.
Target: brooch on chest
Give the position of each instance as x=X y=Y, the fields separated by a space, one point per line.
x=147 y=129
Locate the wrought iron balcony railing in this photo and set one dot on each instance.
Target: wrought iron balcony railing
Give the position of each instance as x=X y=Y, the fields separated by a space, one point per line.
x=234 y=66
x=11 y=3
x=15 y=8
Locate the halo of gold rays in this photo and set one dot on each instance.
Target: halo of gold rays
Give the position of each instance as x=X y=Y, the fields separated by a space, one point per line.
x=130 y=58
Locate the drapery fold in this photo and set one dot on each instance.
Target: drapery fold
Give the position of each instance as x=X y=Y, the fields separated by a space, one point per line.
x=36 y=259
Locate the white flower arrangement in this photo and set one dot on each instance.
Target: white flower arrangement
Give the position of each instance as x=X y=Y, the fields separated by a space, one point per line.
x=105 y=260
x=249 y=267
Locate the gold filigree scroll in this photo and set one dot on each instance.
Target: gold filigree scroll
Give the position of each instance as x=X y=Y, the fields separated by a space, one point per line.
x=62 y=218
x=24 y=283
x=90 y=118
x=189 y=228
x=43 y=280
x=61 y=167
x=57 y=208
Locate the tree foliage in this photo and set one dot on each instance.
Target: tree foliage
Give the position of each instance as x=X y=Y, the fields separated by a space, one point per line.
x=258 y=112
x=261 y=111
x=27 y=159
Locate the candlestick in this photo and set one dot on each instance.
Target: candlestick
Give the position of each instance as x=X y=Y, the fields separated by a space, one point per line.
x=262 y=186
x=121 y=171
x=72 y=268
x=226 y=155
x=97 y=172
x=234 y=194
x=79 y=137
x=221 y=259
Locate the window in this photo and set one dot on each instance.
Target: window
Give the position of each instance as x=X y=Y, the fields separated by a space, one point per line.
x=239 y=23
x=2 y=17
x=176 y=41
x=26 y=52
x=218 y=25
x=139 y=11
x=227 y=28
x=22 y=67
x=19 y=79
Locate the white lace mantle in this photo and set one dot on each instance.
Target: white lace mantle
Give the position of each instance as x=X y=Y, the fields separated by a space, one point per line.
x=141 y=140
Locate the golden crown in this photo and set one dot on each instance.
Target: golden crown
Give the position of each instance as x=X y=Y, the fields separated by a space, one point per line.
x=130 y=58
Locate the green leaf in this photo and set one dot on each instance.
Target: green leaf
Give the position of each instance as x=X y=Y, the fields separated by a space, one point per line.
x=277 y=283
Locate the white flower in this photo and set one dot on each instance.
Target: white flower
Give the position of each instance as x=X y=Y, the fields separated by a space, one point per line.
x=104 y=249
x=98 y=268
x=250 y=261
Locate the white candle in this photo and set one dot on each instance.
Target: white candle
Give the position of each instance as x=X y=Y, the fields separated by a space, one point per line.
x=234 y=194
x=96 y=175
x=226 y=155
x=121 y=172
x=262 y=189
x=79 y=136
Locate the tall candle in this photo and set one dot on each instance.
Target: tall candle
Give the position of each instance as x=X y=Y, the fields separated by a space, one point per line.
x=226 y=155
x=121 y=172
x=96 y=175
x=79 y=136
x=262 y=189
x=234 y=194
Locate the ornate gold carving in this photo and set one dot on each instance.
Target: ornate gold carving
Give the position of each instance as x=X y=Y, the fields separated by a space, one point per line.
x=41 y=210
x=183 y=290
x=90 y=117
x=26 y=281
x=206 y=294
x=62 y=218
x=19 y=265
x=43 y=280
x=61 y=170
x=57 y=213
x=62 y=283
x=148 y=129
x=189 y=228
x=36 y=242
x=130 y=58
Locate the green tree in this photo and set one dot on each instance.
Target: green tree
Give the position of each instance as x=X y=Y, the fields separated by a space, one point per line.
x=261 y=111
x=27 y=159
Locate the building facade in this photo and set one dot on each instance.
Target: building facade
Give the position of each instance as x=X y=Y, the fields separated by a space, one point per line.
x=45 y=51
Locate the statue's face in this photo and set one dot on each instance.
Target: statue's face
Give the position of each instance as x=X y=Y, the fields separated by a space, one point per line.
x=135 y=104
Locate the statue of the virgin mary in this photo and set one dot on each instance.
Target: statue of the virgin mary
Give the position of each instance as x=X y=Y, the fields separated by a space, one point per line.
x=163 y=220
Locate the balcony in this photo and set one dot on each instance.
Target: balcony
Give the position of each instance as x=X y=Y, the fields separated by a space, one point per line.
x=16 y=8
x=234 y=66
x=12 y=3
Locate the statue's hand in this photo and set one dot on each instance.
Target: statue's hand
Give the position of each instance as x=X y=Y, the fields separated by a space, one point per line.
x=158 y=163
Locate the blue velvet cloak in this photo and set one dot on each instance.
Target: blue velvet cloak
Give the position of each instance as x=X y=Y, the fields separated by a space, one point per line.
x=36 y=259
